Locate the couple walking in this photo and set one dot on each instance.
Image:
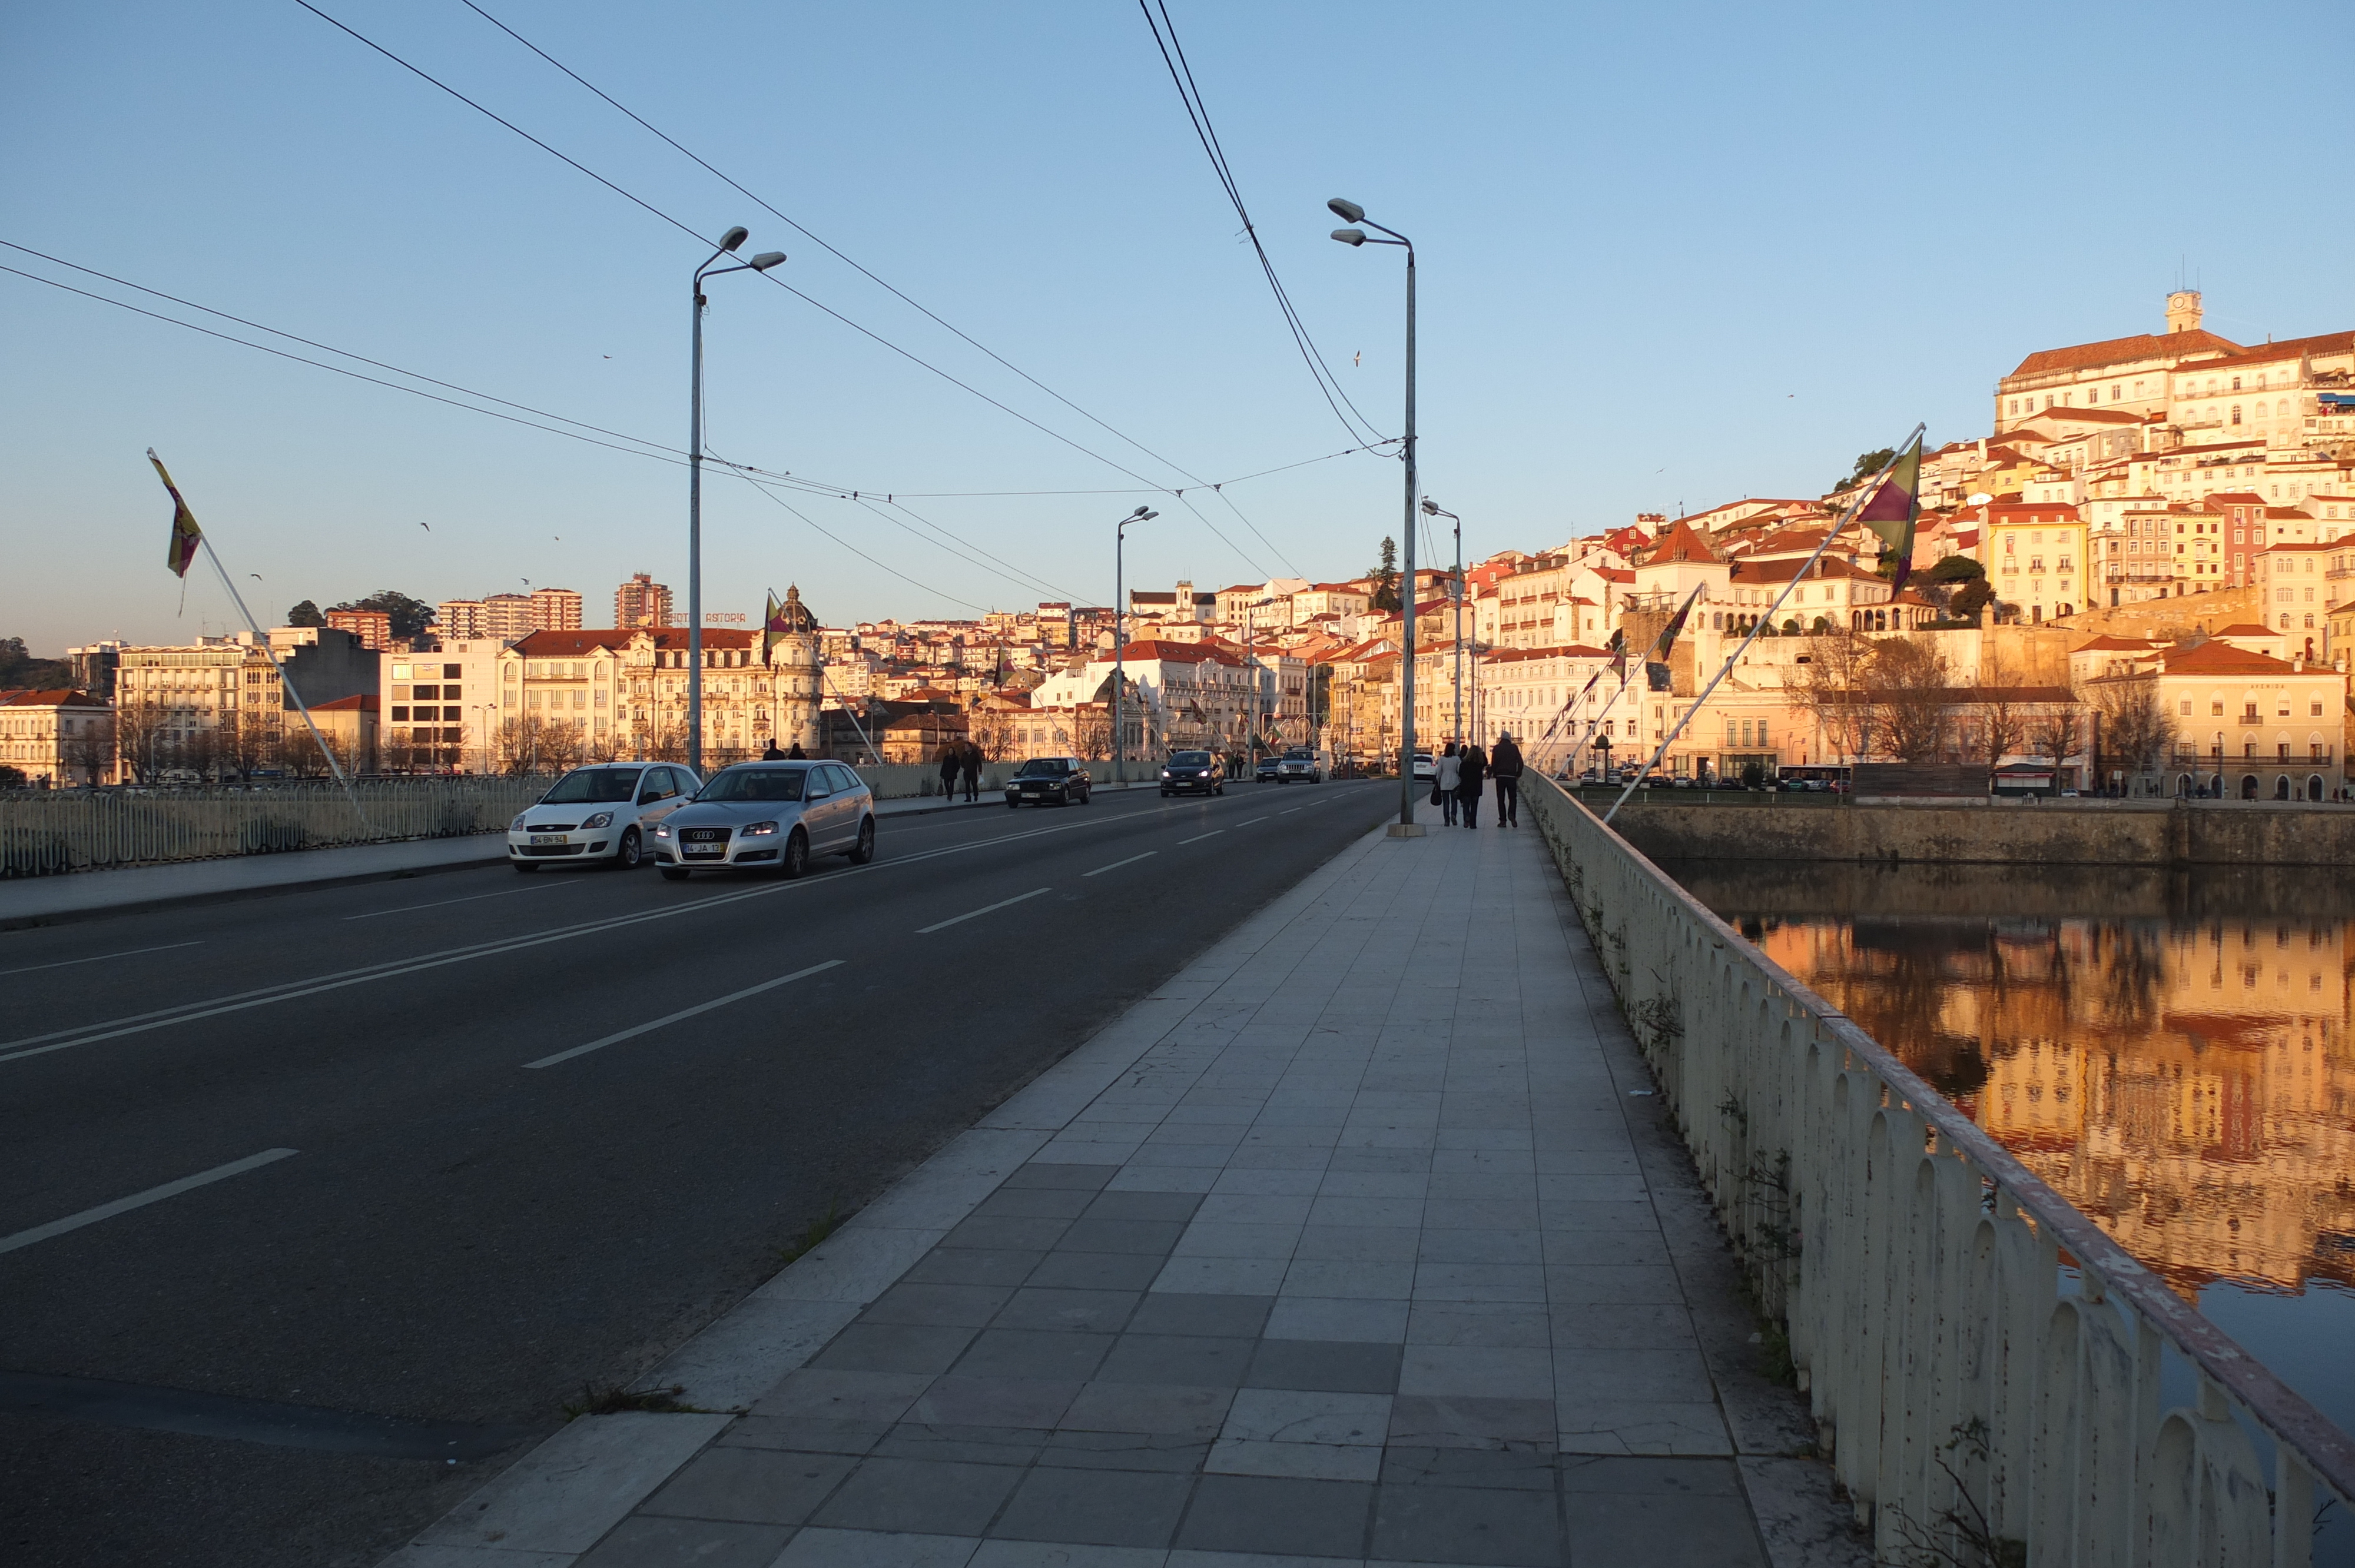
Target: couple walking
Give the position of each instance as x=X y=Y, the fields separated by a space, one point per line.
x=1460 y=773
x=960 y=757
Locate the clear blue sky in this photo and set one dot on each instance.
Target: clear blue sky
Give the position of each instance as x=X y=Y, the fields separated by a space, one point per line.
x=1670 y=255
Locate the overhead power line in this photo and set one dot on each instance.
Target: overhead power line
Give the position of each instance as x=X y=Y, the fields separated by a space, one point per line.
x=1181 y=75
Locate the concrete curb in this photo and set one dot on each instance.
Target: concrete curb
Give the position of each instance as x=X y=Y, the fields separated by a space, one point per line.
x=559 y=1500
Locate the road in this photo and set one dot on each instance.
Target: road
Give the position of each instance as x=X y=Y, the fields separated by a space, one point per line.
x=466 y=1231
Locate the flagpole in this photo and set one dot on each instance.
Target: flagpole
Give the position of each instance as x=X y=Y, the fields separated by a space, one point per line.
x=1870 y=487
x=1647 y=660
x=262 y=640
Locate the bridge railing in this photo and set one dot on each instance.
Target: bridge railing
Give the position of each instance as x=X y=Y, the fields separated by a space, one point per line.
x=1985 y=1364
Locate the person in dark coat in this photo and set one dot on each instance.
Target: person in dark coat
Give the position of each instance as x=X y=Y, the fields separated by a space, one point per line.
x=797 y=751
x=772 y=754
x=950 y=761
x=970 y=762
x=1473 y=773
x=1506 y=766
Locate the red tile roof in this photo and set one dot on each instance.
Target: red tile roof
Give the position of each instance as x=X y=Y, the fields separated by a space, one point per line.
x=2223 y=659
x=2124 y=349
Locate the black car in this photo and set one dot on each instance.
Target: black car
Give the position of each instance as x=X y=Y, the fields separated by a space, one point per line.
x=1062 y=780
x=1268 y=771
x=1192 y=771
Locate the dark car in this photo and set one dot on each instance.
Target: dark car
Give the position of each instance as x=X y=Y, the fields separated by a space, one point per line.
x=1269 y=770
x=1197 y=771
x=1062 y=780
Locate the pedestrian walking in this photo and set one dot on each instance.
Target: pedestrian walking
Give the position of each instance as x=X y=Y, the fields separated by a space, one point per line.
x=949 y=761
x=971 y=763
x=797 y=751
x=1505 y=764
x=772 y=754
x=1446 y=774
x=1473 y=767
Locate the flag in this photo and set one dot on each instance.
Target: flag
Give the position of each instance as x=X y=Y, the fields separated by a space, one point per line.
x=1676 y=625
x=1618 y=652
x=773 y=625
x=1893 y=508
x=186 y=534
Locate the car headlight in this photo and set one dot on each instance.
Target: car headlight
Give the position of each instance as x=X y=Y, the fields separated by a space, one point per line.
x=757 y=829
x=602 y=820
x=662 y=830
x=516 y=826
x=1164 y=773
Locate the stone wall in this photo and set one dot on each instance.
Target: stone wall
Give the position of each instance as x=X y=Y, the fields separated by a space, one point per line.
x=2053 y=832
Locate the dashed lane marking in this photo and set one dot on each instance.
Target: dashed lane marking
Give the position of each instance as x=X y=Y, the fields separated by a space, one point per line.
x=685 y=1012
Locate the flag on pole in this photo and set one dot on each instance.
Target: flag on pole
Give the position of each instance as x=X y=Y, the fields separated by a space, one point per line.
x=186 y=534
x=1893 y=509
x=1676 y=625
x=773 y=625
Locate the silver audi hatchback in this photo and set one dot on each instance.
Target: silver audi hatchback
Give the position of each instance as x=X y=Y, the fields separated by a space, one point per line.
x=769 y=816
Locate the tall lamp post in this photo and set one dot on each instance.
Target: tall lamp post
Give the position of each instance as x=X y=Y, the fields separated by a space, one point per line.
x=1454 y=591
x=1349 y=212
x=760 y=263
x=1119 y=642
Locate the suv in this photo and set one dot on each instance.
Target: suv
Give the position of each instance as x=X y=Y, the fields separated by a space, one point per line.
x=1264 y=770
x=1062 y=780
x=1195 y=771
x=604 y=813
x=1299 y=764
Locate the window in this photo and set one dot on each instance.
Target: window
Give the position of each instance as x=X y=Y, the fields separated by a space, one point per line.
x=2216 y=709
x=2186 y=707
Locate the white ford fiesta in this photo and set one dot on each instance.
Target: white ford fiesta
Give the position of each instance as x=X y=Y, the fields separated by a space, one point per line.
x=603 y=814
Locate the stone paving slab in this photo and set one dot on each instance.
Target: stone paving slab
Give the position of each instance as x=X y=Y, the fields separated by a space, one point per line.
x=1360 y=1242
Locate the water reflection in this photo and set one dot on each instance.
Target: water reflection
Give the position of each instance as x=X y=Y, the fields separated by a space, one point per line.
x=2170 y=1052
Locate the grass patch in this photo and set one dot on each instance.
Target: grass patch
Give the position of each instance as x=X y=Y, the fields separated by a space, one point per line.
x=817 y=1231
x=613 y=1399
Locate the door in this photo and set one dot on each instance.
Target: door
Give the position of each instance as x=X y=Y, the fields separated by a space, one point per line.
x=853 y=802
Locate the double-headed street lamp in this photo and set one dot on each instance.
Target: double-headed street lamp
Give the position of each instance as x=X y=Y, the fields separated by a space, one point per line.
x=760 y=263
x=1119 y=625
x=1349 y=212
x=1454 y=591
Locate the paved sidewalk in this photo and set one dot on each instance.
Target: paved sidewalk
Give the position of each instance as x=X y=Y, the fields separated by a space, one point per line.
x=1361 y=1240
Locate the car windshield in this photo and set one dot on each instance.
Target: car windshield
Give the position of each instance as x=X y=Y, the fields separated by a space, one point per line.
x=1296 y=755
x=1189 y=759
x=1042 y=768
x=756 y=784
x=587 y=786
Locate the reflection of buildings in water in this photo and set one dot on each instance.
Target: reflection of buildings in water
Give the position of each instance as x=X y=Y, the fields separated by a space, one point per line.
x=2191 y=1087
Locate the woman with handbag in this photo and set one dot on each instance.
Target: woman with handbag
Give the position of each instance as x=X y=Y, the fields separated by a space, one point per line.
x=1445 y=777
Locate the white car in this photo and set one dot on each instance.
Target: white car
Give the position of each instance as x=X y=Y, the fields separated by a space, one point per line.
x=1425 y=769
x=605 y=813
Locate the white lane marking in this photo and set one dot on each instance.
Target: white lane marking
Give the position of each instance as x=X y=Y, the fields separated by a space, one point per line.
x=1288 y=811
x=471 y=897
x=102 y=958
x=976 y=914
x=141 y=1200
x=1197 y=837
x=1253 y=820
x=667 y=1021
x=1115 y=865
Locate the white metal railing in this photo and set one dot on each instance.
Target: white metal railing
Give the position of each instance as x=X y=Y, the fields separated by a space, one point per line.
x=46 y=831
x=1979 y=1402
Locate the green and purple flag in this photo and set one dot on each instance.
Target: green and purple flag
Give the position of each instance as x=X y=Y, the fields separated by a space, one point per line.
x=186 y=534
x=1895 y=506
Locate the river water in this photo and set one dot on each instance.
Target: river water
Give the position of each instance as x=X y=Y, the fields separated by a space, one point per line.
x=2171 y=1051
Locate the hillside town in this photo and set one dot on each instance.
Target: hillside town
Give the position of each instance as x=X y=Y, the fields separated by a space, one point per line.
x=2140 y=580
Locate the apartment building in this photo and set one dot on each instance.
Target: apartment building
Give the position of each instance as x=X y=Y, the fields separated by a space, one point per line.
x=2127 y=373
x=372 y=627
x=2034 y=552
x=641 y=601
x=56 y=738
x=439 y=710
x=2248 y=725
x=218 y=705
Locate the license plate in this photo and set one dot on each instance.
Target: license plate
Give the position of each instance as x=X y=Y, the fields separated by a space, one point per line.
x=548 y=838
x=713 y=850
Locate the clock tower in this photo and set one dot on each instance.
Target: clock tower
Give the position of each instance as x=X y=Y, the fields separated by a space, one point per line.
x=2183 y=310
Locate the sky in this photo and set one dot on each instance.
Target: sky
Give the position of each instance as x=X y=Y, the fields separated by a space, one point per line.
x=1669 y=256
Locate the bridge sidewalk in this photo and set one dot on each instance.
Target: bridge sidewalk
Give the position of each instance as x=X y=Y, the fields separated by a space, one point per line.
x=1361 y=1240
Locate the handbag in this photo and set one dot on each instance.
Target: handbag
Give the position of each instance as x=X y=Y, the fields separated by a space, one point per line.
x=1438 y=795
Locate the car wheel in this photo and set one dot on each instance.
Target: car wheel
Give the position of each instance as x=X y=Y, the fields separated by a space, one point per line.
x=1164 y=794
x=630 y=851
x=793 y=859
x=674 y=873
x=1013 y=805
x=522 y=864
x=864 y=849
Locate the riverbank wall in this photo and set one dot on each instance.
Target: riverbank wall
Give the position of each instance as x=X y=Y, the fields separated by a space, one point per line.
x=2174 y=835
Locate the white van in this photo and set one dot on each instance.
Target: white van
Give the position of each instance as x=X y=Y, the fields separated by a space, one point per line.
x=603 y=812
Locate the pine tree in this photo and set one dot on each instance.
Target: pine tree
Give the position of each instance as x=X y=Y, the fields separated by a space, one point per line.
x=1386 y=577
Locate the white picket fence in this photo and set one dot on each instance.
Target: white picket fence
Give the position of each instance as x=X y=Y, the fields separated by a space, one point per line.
x=1985 y=1364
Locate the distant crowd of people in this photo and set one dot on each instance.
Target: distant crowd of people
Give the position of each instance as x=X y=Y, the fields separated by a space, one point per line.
x=1461 y=771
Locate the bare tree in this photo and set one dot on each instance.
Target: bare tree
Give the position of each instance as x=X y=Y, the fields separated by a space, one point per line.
x=140 y=734
x=2135 y=729
x=1998 y=719
x=91 y=750
x=2057 y=731
x=1839 y=693
x=1911 y=694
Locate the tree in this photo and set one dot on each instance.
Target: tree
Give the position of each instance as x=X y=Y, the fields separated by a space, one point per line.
x=140 y=726
x=91 y=750
x=1997 y=725
x=1837 y=693
x=408 y=616
x=19 y=668
x=1386 y=577
x=2134 y=727
x=2057 y=730
x=306 y=614
x=1911 y=689
x=1956 y=570
x=1866 y=465
x=1971 y=598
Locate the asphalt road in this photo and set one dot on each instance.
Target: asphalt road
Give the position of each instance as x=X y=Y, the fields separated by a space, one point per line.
x=461 y=1236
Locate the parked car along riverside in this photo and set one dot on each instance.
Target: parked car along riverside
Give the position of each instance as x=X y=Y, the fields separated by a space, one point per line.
x=769 y=816
x=1062 y=780
x=606 y=812
x=1195 y=771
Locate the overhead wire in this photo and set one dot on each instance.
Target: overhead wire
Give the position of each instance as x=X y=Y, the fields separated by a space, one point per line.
x=864 y=271
x=1181 y=75
x=769 y=275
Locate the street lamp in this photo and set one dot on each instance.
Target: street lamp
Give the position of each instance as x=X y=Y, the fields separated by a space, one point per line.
x=1349 y=212
x=1119 y=642
x=760 y=263
x=1454 y=591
